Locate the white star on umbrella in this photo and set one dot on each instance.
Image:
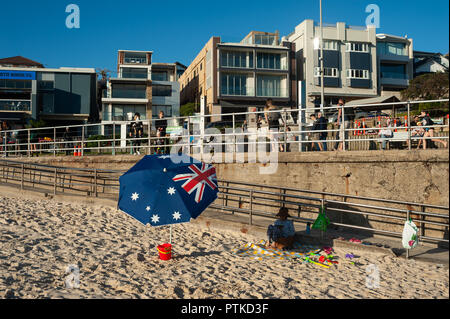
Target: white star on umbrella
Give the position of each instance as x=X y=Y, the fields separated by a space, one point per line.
x=164 y=156
x=147 y=208
x=155 y=219
x=171 y=191
x=135 y=196
x=176 y=215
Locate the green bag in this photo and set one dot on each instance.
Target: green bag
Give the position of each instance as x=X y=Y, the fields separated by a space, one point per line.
x=322 y=220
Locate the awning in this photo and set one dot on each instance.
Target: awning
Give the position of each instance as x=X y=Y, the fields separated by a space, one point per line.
x=367 y=104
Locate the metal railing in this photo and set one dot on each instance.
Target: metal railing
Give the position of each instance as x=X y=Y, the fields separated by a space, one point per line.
x=355 y=213
x=193 y=134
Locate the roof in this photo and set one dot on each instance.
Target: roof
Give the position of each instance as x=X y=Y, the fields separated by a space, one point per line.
x=20 y=61
x=390 y=37
x=433 y=59
x=60 y=70
x=375 y=100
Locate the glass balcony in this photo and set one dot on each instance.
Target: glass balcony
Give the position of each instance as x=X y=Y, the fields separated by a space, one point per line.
x=18 y=106
x=136 y=60
x=133 y=75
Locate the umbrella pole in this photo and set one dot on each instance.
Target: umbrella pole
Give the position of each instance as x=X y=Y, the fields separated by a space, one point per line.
x=170 y=242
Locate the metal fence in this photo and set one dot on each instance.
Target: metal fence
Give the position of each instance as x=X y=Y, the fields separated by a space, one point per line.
x=355 y=213
x=198 y=134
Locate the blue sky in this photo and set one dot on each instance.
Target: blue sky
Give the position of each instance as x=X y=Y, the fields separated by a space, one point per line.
x=177 y=30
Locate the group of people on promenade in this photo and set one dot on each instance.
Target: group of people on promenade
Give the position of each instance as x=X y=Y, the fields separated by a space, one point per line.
x=136 y=133
x=421 y=130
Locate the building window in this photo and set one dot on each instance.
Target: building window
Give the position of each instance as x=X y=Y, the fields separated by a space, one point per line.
x=327 y=72
x=329 y=45
x=167 y=109
x=271 y=86
x=393 y=71
x=162 y=90
x=234 y=84
x=46 y=102
x=232 y=59
x=357 y=47
x=268 y=61
x=45 y=85
x=129 y=73
x=357 y=74
x=15 y=84
x=159 y=76
x=392 y=48
x=130 y=91
x=265 y=39
x=125 y=112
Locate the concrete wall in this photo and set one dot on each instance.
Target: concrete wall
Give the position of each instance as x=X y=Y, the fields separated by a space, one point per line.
x=416 y=176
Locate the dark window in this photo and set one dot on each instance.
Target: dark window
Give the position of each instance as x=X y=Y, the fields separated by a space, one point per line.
x=162 y=90
x=45 y=85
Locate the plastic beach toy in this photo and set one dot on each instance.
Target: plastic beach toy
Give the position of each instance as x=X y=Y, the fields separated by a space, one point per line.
x=165 y=251
x=349 y=256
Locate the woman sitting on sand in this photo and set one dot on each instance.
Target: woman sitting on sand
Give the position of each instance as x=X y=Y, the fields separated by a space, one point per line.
x=285 y=230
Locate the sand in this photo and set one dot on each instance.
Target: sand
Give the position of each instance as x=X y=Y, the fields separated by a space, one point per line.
x=117 y=258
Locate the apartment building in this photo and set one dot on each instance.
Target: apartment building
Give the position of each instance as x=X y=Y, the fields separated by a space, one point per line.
x=350 y=62
x=240 y=77
x=141 y=87
x=395 y=62
x=58 y=96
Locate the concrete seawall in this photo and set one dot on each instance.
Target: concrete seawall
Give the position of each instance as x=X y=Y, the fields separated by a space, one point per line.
x=416 y=176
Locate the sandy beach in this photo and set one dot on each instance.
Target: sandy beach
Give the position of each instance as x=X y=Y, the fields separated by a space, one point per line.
x=117 y=258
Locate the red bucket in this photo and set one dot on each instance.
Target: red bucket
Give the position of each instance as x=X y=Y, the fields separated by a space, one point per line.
x=165 y=251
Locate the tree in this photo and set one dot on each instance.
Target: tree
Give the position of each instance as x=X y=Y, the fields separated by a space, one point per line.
x=431 y=86
x=187 y=109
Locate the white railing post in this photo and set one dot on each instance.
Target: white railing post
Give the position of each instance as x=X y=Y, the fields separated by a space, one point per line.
x=82 y=140
x=114 y=139
x=343 y=126
x=408 y=126
x=54 y=141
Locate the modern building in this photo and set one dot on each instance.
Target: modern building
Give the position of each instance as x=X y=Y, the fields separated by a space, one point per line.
x=58 y=96
x=350 y=63
x=429 y=62
x=395 y=64
x=240 y=77
x=141 y=87
x=358 y=63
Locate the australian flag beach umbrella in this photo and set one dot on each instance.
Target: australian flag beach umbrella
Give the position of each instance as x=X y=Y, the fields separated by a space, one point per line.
x=167 y=189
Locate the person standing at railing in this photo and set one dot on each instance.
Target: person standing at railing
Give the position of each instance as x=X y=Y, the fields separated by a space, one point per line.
x=67 y=137
x=322 y=126
x=161 y=126
x=137 y=129
x=5 y=137
x=273 y=119
x=344 y=123
x=429 y=131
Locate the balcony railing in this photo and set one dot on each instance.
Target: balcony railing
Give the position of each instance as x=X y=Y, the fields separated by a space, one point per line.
x=135 y=60
x=18 y=106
